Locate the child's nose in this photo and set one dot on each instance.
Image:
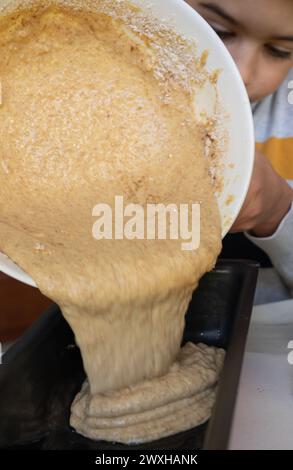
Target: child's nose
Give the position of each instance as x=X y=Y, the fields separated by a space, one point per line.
x=247 y=58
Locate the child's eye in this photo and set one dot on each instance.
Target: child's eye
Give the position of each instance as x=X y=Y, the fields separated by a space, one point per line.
x=278 y=53
x=222 y=33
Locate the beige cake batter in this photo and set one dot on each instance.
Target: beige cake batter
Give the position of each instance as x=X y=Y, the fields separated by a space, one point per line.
x=89 y=111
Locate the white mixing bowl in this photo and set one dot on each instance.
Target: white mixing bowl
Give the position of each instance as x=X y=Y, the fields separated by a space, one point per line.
x=238 y=162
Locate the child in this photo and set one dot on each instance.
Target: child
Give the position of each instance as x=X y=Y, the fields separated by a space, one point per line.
x=259 y=36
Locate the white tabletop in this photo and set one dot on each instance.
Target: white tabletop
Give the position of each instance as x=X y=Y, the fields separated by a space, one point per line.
x=264 y=411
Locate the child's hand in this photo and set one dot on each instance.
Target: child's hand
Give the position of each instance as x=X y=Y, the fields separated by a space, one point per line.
x=268 y=200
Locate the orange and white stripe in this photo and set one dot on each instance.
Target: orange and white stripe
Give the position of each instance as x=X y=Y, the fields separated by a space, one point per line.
x=273 y=119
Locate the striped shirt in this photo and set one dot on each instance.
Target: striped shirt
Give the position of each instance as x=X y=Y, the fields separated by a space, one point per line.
x=273 y=118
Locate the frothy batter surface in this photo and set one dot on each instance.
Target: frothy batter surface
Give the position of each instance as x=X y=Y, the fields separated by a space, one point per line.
x=85 y=116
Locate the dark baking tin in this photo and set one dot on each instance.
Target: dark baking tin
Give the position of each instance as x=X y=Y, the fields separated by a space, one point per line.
x=43 y=371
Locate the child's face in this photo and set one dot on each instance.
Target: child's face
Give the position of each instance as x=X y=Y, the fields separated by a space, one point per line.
x=259 y=36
